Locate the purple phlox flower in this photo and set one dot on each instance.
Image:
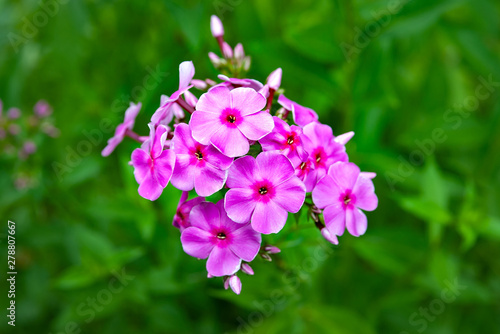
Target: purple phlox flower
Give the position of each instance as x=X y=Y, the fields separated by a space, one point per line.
x=233 y=83
x=234 y=283
x=42 y=109
x=181 y=218
x=226 y=243
x=263 y=191
x=342 y=193
x=186 y=74
x=121 y=129
x=245 y=267
x=228 y=119
x=301 y=115
x=13 y=113
x=197 y=166
x=287 y=140
x=324 y=148
x=28 y=148
x=153 y=166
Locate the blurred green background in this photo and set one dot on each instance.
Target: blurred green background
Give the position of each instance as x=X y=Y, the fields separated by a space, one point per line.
x=410 y=78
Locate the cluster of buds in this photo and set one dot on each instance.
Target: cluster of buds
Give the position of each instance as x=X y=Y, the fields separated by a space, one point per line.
x=227 y=144
x=20 y=134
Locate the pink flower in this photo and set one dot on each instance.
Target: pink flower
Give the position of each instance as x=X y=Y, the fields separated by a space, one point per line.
x=121 y=129
x=186 y=74
x=181 y=218
x=342 y=193
x=285 y=139
x=263 y=191
x=197 y=166
x=212 y=234
x=153 y=166
x=301 y=115
x=42 y=109
x=228 y=119
x=171 y=110
x=324 y=148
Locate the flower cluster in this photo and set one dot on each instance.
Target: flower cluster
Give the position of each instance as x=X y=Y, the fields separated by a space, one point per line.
x=266 y=155
x=20 y=134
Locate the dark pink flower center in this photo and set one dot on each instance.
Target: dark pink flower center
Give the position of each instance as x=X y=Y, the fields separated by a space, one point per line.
x=231 y=117
x=303 y=169
x=221 y=237
x=264 y=191
x=348 y=199
x=319 y=157
x=198 y=154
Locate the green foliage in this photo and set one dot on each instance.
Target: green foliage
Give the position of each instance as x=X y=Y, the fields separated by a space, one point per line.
x=410 y=80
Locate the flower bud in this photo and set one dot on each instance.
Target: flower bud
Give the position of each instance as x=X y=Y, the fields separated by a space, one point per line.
x=227 y=51
x=332 y=238
x=272 y=249
x=344 y=138
x=216 y=27
x=245 y=267
x=216 y=60
x=235 y=284
x=274 y=79
x=29 y=147
x=239 y=53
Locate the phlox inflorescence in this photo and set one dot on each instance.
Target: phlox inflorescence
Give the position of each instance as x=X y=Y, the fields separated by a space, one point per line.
x=264 y=163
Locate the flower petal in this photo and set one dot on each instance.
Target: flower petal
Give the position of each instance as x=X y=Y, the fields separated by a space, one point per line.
x=243 y=173
x=230 y=141
x=203 y=125
x=215 y=158
x=275 y=167
x=344 y=174
x=239 y=205
x=140 y=162
x=268 y=217
x=356 y=222
x=186 y=73
x=335 y=218
x=183 y=139
x=246 y=243
x=247 y=100
x=256 y=126
x=197 y=242
x=291 y=194
x=184 y=173
x=326 y=192
x=164 y=166
x=205 y=216
x=222 y=262
x=365 y=194
x=150 y=188
x=215 y=100
x=209 y=180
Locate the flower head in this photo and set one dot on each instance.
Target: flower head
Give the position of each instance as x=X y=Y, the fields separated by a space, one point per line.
x=301 y=115
x=263 y=191
x=121 y=129
x=153 y=166
x=212 y=234
x=197 y=166
x=285 y=139
x=227 y=119
x=342 y=193
x=181 y=217
x=324 y=148
x=186 y=74
x=13 y=113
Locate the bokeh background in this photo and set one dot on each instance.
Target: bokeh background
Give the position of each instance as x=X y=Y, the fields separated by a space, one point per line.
x=418 y=81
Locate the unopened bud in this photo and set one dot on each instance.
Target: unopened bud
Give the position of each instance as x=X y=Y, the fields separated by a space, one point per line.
x=216 y=27
x=245 y=267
